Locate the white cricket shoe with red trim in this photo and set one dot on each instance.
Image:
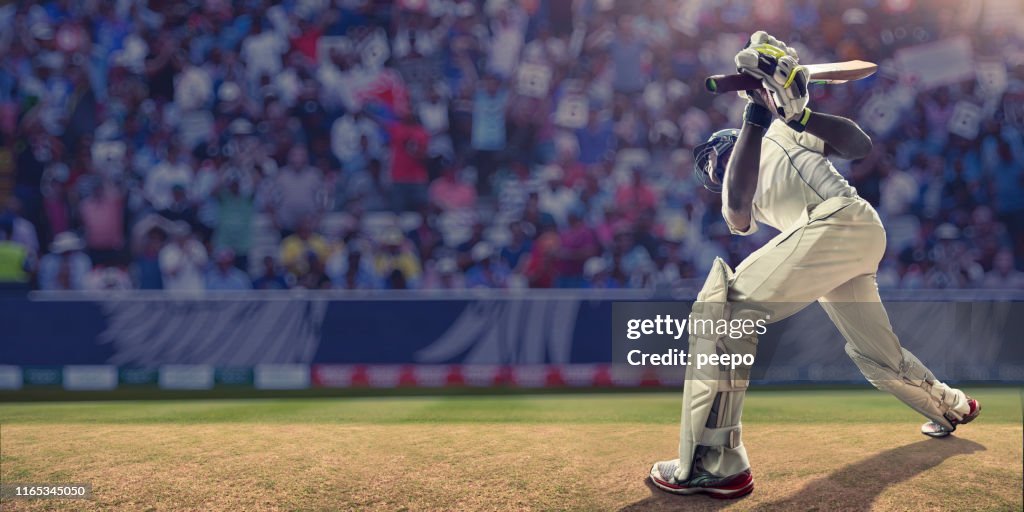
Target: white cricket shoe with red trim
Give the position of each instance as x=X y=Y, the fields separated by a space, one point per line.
x=932 y=429
x=701 y=482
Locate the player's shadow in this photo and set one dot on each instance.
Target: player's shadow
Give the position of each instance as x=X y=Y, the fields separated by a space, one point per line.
x=851 y=488
x=661 y=500
x=855 y=487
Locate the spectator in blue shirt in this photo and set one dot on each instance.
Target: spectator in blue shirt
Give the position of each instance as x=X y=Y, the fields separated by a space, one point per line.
x=224 y=276
x=488 y=135
x=596 y=140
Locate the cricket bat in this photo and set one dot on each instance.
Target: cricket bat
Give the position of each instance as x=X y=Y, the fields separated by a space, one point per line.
x=827 y=73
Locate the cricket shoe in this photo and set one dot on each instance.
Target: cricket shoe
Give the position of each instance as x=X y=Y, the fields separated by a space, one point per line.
x=701 y=482
x=933 y=429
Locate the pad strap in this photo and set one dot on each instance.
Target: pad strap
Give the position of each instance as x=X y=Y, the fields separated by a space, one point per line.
x=728 y=437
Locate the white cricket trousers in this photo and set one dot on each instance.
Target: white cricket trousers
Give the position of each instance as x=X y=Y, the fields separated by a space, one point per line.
x=831 y=256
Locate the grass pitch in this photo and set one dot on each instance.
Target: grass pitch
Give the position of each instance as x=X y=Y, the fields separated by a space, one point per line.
x=810 y=450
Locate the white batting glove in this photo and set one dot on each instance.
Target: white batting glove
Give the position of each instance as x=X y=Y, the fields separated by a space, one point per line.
x=780 y=74
x=762 y=37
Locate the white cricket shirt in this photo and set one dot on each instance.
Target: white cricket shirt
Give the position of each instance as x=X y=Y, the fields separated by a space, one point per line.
x=794 y=177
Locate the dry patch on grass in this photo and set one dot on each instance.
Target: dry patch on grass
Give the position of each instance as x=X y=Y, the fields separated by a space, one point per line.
x=503 y=467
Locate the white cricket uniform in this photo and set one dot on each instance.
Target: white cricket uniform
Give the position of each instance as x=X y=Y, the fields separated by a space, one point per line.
x=830 y=244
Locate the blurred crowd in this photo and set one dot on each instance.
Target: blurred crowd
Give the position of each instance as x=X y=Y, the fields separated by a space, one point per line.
x=359 y=144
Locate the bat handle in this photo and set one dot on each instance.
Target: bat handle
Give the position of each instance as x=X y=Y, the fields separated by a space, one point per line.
x=719 y=84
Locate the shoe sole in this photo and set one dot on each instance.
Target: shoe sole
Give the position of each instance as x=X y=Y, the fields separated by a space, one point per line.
x=717 y=493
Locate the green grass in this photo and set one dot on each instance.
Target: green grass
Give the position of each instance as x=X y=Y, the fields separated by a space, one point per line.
x=1001 y=405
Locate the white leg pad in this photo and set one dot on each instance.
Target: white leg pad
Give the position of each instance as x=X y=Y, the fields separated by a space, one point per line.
x=710 y=426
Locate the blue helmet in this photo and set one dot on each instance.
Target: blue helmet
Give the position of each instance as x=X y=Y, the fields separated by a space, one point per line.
x=711 y=157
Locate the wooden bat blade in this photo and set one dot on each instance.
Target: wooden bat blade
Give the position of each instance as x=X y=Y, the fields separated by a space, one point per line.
x=826 y=73
x=845 y=71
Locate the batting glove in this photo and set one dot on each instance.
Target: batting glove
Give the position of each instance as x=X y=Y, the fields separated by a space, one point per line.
x=780 y=74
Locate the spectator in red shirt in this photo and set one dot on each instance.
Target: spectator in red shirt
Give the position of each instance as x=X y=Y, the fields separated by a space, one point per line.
x=542 y=269
x=635 y=197
x=449 y=193
x=408 y=163
x=102 y=215
x=306 y=38
x=577 y=244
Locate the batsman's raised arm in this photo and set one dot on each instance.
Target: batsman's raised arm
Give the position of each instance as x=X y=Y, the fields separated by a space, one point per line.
x=741 y=173
x=842 y=136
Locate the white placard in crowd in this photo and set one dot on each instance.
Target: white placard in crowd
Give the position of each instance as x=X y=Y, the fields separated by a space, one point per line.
x=108 y=153
x=992 y=79
x=933 y=64
x=880 y=114
x=374 y=50
x=966 y=120
x=533 y=80
x=572 y=111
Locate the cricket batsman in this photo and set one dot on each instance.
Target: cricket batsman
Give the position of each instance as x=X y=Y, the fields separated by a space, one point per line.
x=775 y=171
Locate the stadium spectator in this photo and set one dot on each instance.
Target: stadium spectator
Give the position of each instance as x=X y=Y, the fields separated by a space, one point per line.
x=443 y=275
x=597 y=274
x=66 y=266
x=235 y=211
x=102 y=215
x=351 y=270
x=487 y=271
x=224 y=276
x=182 y=260
x=489 y=106
x=516 y=251
x=23 y=231
x=15 y=259
x=299 y=188
x=107 y=278
x=433 y=113
x=1004 y=274
x=270 y=278
x=355 y=139
x=146 y=266
x=635 y=197
x=556 y=199
x=630 y=56
x=397 y=264
x=577 y=244
x=409 y=142
x=596 y=140
x=448 y=192
x=542 y=268
x=303 y=250
x=170 y=173
x=550 y=103
x=262 y=51
x=508 y=29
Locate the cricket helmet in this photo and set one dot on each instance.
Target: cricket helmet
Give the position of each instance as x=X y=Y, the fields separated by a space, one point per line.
x=711 y=157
